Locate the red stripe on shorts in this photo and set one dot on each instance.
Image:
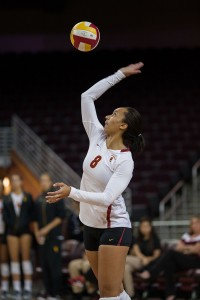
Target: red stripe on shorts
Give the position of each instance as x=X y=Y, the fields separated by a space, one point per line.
x=121 y=237
x=108 y=215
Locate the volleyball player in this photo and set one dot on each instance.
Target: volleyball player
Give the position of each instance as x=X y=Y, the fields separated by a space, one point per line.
x=107 y=171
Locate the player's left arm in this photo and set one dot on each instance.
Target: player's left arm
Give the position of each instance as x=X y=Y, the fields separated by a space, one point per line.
x=116 y=185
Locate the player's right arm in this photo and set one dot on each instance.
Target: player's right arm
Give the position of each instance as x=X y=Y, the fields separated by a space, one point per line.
x=89 y=116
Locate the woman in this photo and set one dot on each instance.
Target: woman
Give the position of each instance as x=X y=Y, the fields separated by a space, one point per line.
x=18 y=216
x=107 y=171
x=185 y=256
x=145 y=251
x=4 y=258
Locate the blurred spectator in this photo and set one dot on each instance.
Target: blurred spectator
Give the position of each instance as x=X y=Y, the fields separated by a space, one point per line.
x=4 y=258
x=18 y=211
x=81 y=276
x=74 y=225
x=145 y=251
x=48 y=233
x=184 y=256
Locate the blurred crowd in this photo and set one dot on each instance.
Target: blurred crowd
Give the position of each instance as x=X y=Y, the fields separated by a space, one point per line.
x=36 y=235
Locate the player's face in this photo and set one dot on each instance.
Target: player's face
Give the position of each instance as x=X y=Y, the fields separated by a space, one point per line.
x=114 y=122
x=16 y=182
x=45 y=182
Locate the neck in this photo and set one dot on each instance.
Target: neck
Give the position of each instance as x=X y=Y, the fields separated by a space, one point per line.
x=115 y=142
x=17 y=191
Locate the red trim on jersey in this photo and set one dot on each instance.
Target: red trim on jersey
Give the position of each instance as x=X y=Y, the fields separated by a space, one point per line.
x=108 y=215
x=125 y=150
x=121 y=237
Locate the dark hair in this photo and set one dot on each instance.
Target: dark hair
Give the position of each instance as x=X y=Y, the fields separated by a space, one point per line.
x=132 y=137
x=140 y=236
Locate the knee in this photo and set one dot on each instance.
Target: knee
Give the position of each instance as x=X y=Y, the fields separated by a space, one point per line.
x=15 y=268
x=107 y=290
x=72 y=265
x=27 y=267
x=5 y=272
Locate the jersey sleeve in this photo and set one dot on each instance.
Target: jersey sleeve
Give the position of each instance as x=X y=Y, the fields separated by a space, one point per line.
x=89 y=116
x=116 y=185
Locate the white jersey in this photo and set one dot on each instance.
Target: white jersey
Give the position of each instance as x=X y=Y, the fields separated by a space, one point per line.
x=188 y=239
x=106 y=172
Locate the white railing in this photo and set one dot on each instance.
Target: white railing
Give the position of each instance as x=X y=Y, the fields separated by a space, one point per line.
x=5 y=146
x=38 y=156
x=169 y=204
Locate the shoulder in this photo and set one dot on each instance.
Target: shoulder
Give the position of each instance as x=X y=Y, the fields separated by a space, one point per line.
x=186 y=237
x=28 y=196
x=6 y=199
x=125 y=161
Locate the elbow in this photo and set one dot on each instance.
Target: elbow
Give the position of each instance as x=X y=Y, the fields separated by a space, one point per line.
x=84 y=96
x=108 y=199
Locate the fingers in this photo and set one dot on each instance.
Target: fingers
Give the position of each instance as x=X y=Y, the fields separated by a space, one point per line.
x=53 y=193
x=59 y=184
x=52 y=199
x=137 y=66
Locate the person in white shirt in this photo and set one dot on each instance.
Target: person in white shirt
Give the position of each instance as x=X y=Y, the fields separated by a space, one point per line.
x=185 y=255
x=107 y=171
x=18 y=215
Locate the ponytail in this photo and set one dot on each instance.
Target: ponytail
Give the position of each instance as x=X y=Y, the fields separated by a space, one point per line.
x=132 y=137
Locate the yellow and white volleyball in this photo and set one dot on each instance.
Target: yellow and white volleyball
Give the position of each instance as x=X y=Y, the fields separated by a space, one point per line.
x=85 y=36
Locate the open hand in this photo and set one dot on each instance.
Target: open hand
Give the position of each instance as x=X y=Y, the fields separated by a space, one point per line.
x=132 y=69
x=62 y=192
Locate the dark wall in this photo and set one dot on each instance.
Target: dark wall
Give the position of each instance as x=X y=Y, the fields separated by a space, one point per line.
x=123 y=24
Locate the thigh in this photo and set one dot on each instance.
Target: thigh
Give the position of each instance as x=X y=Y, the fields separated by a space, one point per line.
x=25 y=246
x=93 y=260
x=134 y=262
x=13 y=247
x=4 y=253
x=111 y=263
x=75 y=264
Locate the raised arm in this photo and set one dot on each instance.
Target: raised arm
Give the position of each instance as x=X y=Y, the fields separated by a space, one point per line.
x=89 y=116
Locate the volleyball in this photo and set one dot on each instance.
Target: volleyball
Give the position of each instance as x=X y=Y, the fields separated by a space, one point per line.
x=85 y=36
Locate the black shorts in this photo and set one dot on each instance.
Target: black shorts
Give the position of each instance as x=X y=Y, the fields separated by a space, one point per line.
x=118 y=236
x=18 y=233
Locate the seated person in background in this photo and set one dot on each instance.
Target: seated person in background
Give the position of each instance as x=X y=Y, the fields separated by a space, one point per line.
x=185 y=256
x=81 y=276
x=145 y=251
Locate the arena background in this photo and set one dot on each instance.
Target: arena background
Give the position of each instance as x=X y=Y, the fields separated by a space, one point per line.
x=42 y=77
x=45 y=25
x=37 y=57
